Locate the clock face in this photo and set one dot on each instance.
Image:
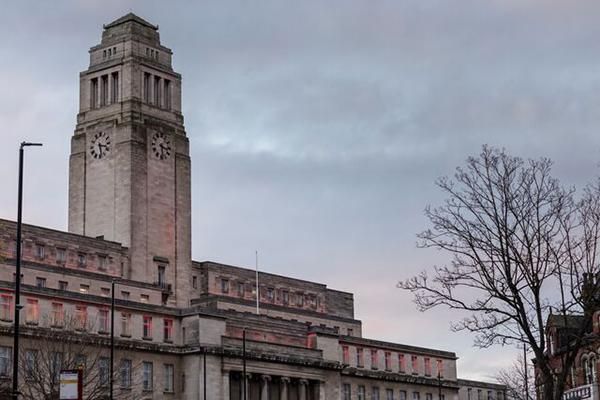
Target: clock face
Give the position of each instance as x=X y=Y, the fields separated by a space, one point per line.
x=100 y=146
x=161 y=145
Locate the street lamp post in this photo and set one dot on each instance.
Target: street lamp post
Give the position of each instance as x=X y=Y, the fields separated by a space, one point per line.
x=15 y=377
x=112 y=337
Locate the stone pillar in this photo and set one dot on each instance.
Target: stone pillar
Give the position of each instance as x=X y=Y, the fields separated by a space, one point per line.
x=225 y=392
x=284 y=387
x=109 y=83
x=302 y=389
x=264 y=395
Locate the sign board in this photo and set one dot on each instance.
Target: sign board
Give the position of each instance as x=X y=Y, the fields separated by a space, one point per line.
x=70 y=385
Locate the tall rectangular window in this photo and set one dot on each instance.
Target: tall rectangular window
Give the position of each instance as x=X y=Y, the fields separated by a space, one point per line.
x=375 y=393
x=32 y=315
x=440 y=368
x=147 y=327
x=57 y=316
x=360 y=362
x=347 y=389
x=114 y=93
x=167 y=94
x=403 y=395
x=414 y=364
x=5 y=361
x=224 y=285
x=56 y=362
x=125 y=373
x=428 y=396
x=6 y=307
x=162 y=276
x=168 y=330
x=125 y=324
x=389 y=394
x=103 y=90
x=374 y=359
x=388 y=361
x=147 y=372
x=40 y=282
x=40 y=251
x=61 y=255
x=361 y=392
x=169 y=378
x=103 y=325
x=427 y=364
x=416 y=396
x=345 y=355
x=94 y=93
x=469 y=394
x=104 y=371
x=146 y=93
x=102 y=263
x=80 y=317
x=30 y=363
x=63 y=285
x=401 y=363
x=157 y=91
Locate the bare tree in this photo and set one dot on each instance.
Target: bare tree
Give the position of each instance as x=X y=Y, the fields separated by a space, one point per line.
x=521 y=247
x=515 y=378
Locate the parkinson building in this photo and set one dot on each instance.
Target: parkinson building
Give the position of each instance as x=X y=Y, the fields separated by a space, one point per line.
x=178 y=323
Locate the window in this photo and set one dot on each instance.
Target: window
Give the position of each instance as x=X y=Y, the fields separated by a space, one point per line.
x=416 y=396
x=114 y=94
x=81 y=260
x=359 y=357
x=401 y=364
x=389 y=394
x=162 y=276
x=270 y=294
x=224 y=285
x=285 y=295
x=403 y=395
x=167 y=94
x=144 y=298
x=479 y=395
x=62 y=285
x=375 y=393
x=414 y=361
x=80 y=317
x=157 y=91
x=240 y=289
x=489 y=395
x=168 y=330
x=125 y=373
x=147 y=327
x=94 y=93
x=300 y=299
x=5 y=361
x=469 y=394
x=125 y=324
x=169 y=375
x=347 y=391
x=440 y=368
x=361 y=392
x=56 y=366
x=105 y=292
x=428 y=396
x=427 y=363
x=81 y=362
x=146 y=85
x=102 y=263
x=374 y=359
x=103 y=320
x=103 y=90
x=345 y=355
x=195 y=282
x=30 y=363
x=5 y=307
x=40 y=282
x=147 y=375
x=32 y=315
x=57 y=316
x=61 y=255
x=104 y=371
x=40 y=251
x=350 y=332
x=125 y=295
x=84 y=288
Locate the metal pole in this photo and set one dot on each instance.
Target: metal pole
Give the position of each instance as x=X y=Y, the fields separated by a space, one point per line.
x=244 y=363
x=112 y=336
x=18 y=307
x=204 y=372
x=525 y=372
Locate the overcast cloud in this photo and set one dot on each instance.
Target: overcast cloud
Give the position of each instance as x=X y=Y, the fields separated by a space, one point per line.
x=318 y=128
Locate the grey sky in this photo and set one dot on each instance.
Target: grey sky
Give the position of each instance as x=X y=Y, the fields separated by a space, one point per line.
x=318 y=128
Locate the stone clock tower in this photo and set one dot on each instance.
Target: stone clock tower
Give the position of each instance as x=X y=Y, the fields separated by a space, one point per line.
x=129 y=177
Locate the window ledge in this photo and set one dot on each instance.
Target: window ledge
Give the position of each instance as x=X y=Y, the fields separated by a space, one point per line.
x=148 y=338
x=126 y=335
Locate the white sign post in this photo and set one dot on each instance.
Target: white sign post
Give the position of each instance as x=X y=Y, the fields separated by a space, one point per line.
x=70 y=385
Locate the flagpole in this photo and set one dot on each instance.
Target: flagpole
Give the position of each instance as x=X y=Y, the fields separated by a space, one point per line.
x=257 y=286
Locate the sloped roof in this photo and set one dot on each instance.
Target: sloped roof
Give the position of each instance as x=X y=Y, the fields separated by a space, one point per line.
x=562 y=321
x=129 y=18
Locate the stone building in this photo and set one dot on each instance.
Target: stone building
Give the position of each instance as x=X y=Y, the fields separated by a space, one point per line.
x=179 y=323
